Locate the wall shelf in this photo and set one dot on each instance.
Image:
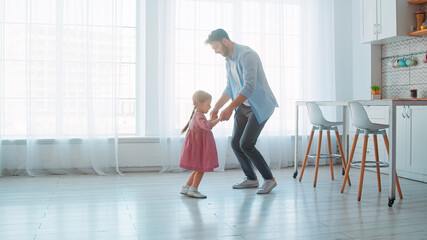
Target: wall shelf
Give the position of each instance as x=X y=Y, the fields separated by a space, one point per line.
x=418 y=33
x=417 y=2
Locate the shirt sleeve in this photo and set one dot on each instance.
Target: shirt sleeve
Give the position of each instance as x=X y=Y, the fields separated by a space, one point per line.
x=250 y=66
x=203 y=123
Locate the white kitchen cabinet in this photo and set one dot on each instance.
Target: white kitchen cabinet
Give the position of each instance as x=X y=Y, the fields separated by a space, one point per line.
x=411 y=150
x=385 y=21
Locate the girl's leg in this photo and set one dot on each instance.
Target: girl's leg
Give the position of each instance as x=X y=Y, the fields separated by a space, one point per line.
x=192 y=191
x=197 y=178
x=190 y=179
x=184 y=189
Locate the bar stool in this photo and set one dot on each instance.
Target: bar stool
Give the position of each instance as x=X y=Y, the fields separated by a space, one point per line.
x=320 y=123
x=363 y=124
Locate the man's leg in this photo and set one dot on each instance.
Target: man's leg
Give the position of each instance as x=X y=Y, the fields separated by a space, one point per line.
x=247 y=144
x=240 y=121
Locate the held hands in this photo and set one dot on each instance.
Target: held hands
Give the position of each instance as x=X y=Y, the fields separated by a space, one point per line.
x=214 y=114
x=226 y=114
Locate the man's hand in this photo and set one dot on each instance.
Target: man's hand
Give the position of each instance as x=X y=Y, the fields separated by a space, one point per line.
x=226 y=114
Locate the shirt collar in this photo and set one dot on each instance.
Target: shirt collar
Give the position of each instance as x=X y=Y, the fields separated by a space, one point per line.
x=235 y=53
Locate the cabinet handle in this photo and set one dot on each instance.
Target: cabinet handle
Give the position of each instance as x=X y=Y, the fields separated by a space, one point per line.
x=407 y=111
x=374 y=28
x=403 y=109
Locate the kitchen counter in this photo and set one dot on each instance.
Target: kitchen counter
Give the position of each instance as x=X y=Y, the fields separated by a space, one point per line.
x=392 y=104
x=404 y=99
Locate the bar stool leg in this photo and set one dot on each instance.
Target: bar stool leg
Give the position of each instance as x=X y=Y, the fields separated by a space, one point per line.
x=397 y=179
x=362 y=169
x=347 y=168
x=306 y=154
x=319 y=144
x=344 y=165
x=331 y=165
x=377 y=159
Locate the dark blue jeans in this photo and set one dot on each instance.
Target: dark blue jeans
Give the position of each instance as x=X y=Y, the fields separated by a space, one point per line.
x=245 y=134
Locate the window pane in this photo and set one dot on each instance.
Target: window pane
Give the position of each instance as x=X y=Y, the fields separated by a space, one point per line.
x=75 y=117
x=14 y=11
x=102 y=110
x=74 y=12
x=126 y=10
x=14 y=40
x=185 y=46
x=127 y=113
x=126 y=77
x=101 y=12
x=43 y=42
x=15 y=117
x=43 y=80
x=43 y=118
x=101 y=44
x=43 y=11
x=102 y=80
x=74 y=81
x=14 y=80
x=75 y=43
x=69 y=72
x=126 y=44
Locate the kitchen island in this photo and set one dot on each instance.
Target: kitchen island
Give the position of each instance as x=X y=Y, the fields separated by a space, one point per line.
x=392 y=105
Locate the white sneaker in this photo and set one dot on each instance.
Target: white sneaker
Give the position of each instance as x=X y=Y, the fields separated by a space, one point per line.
x=246 y=184
x=193 y=192
x=184 y=190
x=267 y=186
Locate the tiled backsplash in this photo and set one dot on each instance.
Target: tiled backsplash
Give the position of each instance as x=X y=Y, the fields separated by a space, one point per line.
x=396 y=82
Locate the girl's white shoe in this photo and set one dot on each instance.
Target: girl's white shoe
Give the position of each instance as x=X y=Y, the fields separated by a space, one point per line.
x=184 y=190
x=193 y=192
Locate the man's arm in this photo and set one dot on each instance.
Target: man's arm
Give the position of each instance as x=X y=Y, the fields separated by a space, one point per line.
x=218 y=105
x=226 y=113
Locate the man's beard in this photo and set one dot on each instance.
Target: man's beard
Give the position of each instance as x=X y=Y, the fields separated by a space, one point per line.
x=225 y=50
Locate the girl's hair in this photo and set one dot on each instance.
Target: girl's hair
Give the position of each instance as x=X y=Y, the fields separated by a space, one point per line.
x=198 y=97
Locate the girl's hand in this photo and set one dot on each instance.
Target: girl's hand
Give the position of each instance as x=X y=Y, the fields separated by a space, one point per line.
x=214 y=114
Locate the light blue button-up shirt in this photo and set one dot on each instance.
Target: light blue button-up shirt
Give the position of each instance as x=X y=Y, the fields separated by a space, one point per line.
x=253 y=81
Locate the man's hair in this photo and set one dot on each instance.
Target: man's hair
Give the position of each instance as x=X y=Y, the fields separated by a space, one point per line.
x=217 y=36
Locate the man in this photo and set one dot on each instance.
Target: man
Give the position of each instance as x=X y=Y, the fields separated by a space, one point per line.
x=253 y=102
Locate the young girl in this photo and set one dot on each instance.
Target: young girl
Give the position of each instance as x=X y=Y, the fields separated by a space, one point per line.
x=199 y=149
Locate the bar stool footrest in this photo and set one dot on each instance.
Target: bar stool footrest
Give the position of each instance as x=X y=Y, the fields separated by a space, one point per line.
x=370 y=164
x=325 y=156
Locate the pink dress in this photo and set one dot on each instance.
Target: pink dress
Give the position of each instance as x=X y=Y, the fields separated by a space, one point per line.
x=199 y=149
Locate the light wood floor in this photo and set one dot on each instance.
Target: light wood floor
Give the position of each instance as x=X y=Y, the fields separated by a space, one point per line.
x=149 y=206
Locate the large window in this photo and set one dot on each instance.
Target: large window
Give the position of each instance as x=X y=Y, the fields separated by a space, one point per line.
x=271 y=28
x=63 y=60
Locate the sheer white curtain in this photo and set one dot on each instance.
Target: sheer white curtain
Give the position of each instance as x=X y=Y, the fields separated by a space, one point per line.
x=62 y=74
x=294 y=40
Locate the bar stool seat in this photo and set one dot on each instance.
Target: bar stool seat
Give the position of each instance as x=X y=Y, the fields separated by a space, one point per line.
x=320 y=123
x=363 y=124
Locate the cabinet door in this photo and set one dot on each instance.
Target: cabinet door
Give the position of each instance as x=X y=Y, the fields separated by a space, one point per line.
x=418 y=118
x=368 y=18
x=386 y=18
x=402 y=139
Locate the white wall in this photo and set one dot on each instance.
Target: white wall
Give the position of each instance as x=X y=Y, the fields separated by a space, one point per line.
x=361 y=58
x=343 y=49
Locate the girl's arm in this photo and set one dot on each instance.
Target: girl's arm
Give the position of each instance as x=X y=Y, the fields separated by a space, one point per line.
x=214 y=122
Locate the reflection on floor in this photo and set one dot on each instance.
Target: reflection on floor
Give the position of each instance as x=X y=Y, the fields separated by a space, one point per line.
x=149 y=206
